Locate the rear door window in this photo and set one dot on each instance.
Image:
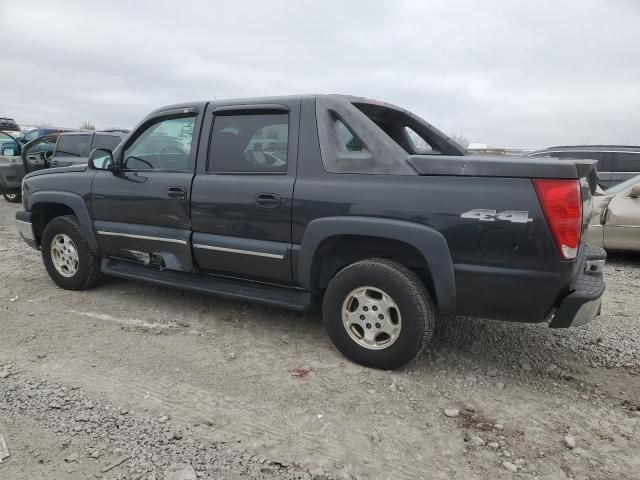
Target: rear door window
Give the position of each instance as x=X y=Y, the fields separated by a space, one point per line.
x=253 y=143
x=73 y=146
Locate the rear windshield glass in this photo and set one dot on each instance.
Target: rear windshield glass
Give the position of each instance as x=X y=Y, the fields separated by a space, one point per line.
x=409 y=134
x=109 y=142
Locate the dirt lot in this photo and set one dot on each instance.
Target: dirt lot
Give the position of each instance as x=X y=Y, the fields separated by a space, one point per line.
x=138 y=382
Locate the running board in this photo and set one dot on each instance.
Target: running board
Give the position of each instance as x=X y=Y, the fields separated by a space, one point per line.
x=289 y=298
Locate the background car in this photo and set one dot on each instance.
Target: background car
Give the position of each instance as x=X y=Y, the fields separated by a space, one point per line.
x=9 y=124
x=39 y=132
x=37 y=153
x=615 y=220
x=52 y=150
x=66 y=148
x=10 y=167
x=616 y=163
x=73 y=148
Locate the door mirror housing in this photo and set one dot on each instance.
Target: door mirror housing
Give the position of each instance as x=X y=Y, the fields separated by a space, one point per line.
x=635 y=191
x=102 y=159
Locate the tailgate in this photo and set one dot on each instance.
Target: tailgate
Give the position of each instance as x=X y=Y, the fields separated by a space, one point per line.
x=503 y=166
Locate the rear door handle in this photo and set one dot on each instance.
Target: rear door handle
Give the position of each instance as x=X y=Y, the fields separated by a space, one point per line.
x=268 y=200
x=177 y=193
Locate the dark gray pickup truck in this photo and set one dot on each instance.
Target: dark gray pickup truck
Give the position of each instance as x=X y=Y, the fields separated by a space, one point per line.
x=352 y=202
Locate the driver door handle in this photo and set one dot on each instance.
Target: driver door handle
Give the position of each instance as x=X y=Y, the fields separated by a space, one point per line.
x=177 y=193
x=268 y=200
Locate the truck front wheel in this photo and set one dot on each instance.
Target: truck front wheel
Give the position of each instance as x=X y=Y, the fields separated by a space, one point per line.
x=67 y=256
x=378 y=313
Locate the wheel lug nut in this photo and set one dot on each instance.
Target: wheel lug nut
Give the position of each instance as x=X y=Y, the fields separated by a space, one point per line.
x=361 y=317
x=365 y=308
x=381 y=316
x=374 y=308
x=377 y=325
x=368 y=325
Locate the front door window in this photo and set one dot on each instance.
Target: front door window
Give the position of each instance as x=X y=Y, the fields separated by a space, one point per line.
x=164 y=146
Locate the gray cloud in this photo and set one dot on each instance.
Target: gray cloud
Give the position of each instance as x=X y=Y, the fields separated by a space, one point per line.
x=507 y=73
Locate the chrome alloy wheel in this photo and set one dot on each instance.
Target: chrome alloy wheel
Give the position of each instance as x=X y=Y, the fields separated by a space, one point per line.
x=371 y=318
x=64 y=255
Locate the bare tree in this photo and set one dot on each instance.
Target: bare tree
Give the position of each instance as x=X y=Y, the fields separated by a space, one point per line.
x=87 y=125
x=460 y=139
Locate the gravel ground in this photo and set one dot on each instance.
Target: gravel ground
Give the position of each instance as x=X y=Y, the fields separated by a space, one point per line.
x=130 y=381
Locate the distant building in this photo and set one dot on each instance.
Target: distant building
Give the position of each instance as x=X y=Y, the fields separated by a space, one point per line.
x=485 y=149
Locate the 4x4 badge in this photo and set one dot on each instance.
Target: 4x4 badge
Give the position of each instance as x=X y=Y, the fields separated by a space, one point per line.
x=514 y=216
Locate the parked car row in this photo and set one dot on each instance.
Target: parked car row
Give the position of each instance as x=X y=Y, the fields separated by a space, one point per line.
x=46 y=148
x=616 y=163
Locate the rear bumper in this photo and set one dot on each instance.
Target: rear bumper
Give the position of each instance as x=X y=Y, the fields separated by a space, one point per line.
x=583 y=304
x=25 y=228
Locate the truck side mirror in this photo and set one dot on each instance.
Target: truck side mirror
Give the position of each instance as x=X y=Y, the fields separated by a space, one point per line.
x=635 y=191
x=101 y=159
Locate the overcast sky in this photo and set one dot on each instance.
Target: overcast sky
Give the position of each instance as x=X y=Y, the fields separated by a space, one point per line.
x=507 y=73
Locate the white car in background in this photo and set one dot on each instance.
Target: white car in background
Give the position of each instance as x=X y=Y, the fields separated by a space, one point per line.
x=615 y=220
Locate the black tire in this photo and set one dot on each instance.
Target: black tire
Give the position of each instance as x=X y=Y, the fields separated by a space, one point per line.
x=408 y=293
x=88 y=271
x=12 y=197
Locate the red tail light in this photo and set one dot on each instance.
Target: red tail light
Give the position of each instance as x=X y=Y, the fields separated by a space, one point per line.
x=562 y=206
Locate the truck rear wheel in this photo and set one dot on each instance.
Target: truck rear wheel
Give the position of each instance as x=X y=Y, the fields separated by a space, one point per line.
x=378 y=313
x=67 y=256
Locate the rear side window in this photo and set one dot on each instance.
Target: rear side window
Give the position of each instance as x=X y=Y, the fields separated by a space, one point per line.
x=347 y=140
x=109 y=142
x=255 y=143
x=626 y=162
x=74 y=145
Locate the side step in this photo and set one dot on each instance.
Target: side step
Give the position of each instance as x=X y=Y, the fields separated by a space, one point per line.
x=284 y=297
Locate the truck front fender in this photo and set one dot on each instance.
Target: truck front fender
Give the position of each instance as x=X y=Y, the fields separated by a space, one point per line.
x=72 y=201
x=429 y=242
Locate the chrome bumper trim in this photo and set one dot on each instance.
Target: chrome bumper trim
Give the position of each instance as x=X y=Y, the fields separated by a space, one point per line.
x=25 y=229
x=594 y=266
x=142 y=237
x=243 y=252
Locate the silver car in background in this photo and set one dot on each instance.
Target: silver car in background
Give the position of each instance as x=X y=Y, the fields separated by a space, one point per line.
x=615 y=221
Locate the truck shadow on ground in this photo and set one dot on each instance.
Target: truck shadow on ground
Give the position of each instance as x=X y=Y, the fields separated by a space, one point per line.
x=479 y=344
x=625 y=259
